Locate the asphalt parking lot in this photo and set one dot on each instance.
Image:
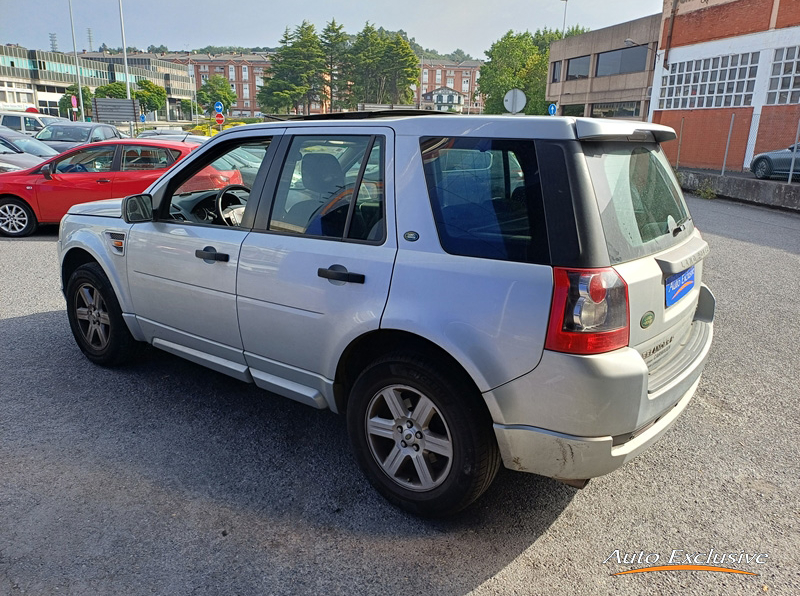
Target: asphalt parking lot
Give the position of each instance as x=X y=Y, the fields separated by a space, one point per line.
x=166 y=478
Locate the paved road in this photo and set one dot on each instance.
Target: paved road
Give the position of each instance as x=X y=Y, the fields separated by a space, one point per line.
x=166 y=478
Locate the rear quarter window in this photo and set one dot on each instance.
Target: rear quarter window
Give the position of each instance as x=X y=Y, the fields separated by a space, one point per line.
x=486 y=197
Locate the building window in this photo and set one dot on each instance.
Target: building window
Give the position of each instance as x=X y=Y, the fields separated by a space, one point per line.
x=449 y=99
x=784 y=81
x=721 y=81
x=231 y=73
x=246 y=103
x=233 y=87
x=450 y=73
x=450 y=82
x=246 y=90
x=424 y=89
x=578 y=68
x=624 y=109
x=573 y=110
x=622 y=61
x=439 y=99
x=203 y=78
x=465 y=85
x=204 y=68
x=425 y=75
x=556 y=78
x=438 y=77
x=245 y=73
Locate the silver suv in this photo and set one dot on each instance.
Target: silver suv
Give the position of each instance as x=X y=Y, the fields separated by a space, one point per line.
x=466 y=290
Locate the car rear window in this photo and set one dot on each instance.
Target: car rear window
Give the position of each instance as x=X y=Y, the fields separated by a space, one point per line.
x=486 y=197
x=641 y=204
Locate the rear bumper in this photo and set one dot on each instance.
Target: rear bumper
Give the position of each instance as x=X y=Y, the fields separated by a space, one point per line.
x=578 y=417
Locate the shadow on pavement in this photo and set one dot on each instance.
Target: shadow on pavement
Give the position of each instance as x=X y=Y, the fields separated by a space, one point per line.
x=165 y=473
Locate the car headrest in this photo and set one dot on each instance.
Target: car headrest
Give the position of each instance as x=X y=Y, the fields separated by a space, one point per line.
x=321 y=172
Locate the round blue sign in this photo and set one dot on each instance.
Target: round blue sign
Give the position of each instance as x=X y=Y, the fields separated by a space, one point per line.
x=142 y=118
x=552 y=109
x=219 y=107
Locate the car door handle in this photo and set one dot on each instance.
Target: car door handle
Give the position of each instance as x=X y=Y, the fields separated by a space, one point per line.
x=209 y=253
x=103 y=181
x=339 y=275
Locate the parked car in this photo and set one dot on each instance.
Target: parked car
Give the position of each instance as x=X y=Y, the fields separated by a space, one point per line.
x=155 y=132
x=776 y=163
x=28 y=123
x=44 y=193
x=542 y=307
x=174 y=136
x=66 y=135
x=12 y=159
x=21 y=142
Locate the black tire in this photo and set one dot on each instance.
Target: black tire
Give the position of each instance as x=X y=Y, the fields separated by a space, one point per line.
x=16 y=218
x=762 y=169
x=95 y=317
x=459 y=418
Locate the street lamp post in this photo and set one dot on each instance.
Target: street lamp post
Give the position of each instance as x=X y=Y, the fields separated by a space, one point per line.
x=77 y=64
x=564 y=26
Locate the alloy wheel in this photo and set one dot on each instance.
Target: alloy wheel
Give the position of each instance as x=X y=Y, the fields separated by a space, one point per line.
x=409 y=438
x=92 y=315
x=13 y=218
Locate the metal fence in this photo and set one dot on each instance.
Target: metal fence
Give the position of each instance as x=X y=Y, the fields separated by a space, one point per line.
x=762 y=145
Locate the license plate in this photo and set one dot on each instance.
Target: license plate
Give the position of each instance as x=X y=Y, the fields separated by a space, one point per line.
x=678 y=285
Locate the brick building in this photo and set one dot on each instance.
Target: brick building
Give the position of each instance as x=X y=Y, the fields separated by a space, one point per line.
x=728 y=65
x=459 y=76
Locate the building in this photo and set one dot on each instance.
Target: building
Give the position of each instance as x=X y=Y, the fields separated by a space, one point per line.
x=728 y=66
x=461 y=77
x=244 y=72
x=38 y=78
x=605 y=73
x=443 y=99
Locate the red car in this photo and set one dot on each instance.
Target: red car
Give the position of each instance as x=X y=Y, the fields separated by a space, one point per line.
x=103 y=170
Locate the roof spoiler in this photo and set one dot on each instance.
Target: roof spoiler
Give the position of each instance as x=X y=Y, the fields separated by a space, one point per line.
x=602 y=129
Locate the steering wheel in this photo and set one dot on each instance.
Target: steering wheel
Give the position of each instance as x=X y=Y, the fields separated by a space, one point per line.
x=231 y=214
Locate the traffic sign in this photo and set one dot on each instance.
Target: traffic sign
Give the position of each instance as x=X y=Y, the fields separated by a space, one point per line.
x=74 y=101
x=219 y=107
x=552 y=109
x=514 y=101
x=220 y=118
x=142 y=118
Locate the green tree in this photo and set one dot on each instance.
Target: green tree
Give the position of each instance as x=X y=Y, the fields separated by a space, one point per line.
x=295 y=78
x=459 y=55
x=152 y=97
x=334 y=45
x=215 y=89
x=116 y=90
x=400 y=70
x=364 y=67
x=65 y=103
x=162 y=49
x=519 y=61
x=188 y=107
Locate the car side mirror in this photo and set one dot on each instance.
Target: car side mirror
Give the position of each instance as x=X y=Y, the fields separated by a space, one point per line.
x=137 y=208
x=46 y=171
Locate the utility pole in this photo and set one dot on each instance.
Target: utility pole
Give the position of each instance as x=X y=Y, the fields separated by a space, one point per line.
x=77 y=64
x=53 y=42
x=124 y=53
x=564 y=26
x=91 y=39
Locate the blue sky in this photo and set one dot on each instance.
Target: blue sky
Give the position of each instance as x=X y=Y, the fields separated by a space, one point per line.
x=444 y=25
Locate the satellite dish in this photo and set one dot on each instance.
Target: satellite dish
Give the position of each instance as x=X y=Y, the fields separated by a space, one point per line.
x=514 y=101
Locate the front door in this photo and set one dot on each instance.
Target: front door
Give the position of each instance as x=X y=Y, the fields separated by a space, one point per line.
x=314 y=274
x=182 y=266
x=81 y=176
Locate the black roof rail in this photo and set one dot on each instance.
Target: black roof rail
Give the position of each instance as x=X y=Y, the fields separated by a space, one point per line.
x=368 y=114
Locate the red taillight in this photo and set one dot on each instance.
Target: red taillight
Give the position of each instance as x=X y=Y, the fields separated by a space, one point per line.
x=589 y=313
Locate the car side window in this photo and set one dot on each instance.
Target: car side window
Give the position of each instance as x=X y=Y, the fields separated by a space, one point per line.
x=144 y=158
x=97 y=159
x=486 y=197
x=216 y=188
x=332 y=187
x=97 y=135
x=13 y=122
x=32 y=124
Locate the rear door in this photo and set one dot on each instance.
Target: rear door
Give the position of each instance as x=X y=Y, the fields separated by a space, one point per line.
x=315 y=272
x=653 y=245
x=139 y=167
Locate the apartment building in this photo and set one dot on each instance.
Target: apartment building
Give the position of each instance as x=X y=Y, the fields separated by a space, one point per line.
x=461 y=77
x=605 y=73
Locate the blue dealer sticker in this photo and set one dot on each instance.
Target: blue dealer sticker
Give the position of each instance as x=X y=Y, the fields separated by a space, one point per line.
x=678 y=285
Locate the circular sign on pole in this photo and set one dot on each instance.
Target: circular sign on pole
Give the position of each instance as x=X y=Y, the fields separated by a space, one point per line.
x=220 y=118
x=219 y=107
x=514 y=101
x=551 y=109
x=74 y=101
x=142 y=118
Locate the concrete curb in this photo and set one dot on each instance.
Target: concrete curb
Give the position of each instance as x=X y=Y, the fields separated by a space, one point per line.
x=748 y=190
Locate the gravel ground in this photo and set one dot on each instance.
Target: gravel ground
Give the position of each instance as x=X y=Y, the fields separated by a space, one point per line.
x=166 y=478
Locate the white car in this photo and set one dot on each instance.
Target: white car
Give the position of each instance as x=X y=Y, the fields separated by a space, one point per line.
x=467 y=290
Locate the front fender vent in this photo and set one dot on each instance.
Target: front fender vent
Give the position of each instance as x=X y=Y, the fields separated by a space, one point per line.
x=116 y=242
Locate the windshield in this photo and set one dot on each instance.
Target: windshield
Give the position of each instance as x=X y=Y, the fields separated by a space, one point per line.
x=641 y=205
x=34 y=147
x=60 y=132
x=50 y=119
